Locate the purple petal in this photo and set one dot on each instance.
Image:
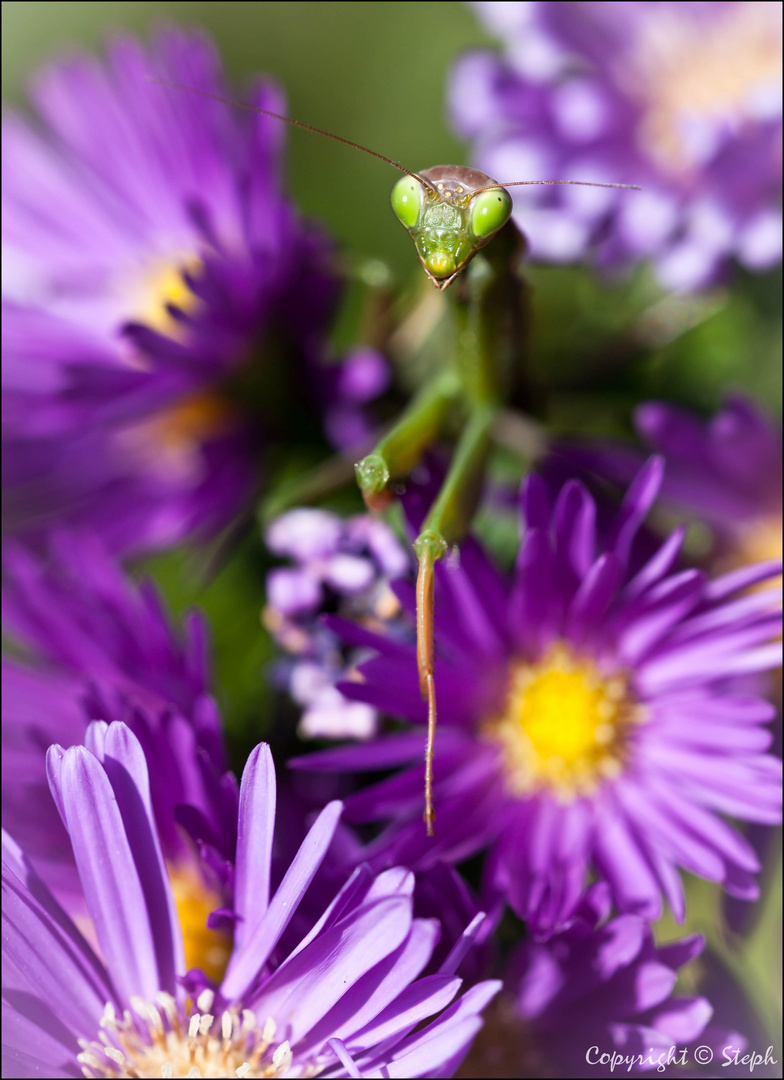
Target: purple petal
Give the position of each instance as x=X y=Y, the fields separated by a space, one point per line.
x=415 y=1003
x=255 y=832
x=247 y=962
x=341 y=955
x=126 y=929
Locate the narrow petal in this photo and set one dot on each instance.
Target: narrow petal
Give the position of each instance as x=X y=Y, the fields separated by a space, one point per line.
x=247 y=962
x=113 y=892
x=255 y=831
x=341 y=955
x=426 y=997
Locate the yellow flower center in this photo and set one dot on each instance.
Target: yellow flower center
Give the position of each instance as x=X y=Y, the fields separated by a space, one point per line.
x=761 y=542
x=170 y=441
x=165 y=286
x=155 y=1040
x=204 y=948
x=565 y=726
x=191 y=422
x=721 y=68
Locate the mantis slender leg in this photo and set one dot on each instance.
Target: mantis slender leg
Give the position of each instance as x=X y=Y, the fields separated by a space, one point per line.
x=446 y=524
x=424 y=421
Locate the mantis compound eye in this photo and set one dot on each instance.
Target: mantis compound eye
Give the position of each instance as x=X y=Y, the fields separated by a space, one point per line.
x=407 y=195
x=489 y=211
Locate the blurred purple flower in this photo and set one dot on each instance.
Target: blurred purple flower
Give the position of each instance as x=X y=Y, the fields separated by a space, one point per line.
x=586 y=719
x=726 y=473
x=163 y=304
x=348 y=387
x=341 y=568
x=595 y=989
x=346 y=1001
x=683 y=99
x=96 y=646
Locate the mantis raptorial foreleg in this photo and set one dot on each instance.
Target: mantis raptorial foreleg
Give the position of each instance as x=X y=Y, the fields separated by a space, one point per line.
x=491 y=324
x=424 y=421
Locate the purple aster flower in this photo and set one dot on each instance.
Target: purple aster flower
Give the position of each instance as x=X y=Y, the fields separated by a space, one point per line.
x=163 y=304
x=725 y=472
x=587 y=724
x=345 y=1002
x=595 y=991
x=683 y=99
x=340 y=568
x=97 y=646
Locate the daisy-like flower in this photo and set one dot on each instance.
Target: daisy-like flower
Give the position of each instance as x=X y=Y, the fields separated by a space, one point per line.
x=163 y=304
x=598 y=991
x=341 y=568
x=682 y=99
x=587 y=724
x=94 y=645
x=344 y=1002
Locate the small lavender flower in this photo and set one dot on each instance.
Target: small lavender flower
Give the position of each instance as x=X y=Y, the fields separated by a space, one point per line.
x=587 y=723
x=595 y=989
x=341 y=568
x=348 y=388
x=96 y=646
x=682 y=99
x=159 y=292
x=346 y=1001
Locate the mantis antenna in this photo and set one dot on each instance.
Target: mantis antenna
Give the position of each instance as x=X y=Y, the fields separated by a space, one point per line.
x=581 y=183
x=366 y=150
x=295 y=123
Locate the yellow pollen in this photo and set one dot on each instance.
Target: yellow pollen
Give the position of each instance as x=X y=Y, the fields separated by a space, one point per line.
x=686 y=69
x=440 y=187
x=170 y=442
x=204 y=948
x=166 y=285
x=155 y=1039
x=760 y=541
x=565 y=726
x=192 y=421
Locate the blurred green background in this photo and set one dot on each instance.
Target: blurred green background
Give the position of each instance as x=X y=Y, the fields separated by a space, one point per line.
x=374 y=73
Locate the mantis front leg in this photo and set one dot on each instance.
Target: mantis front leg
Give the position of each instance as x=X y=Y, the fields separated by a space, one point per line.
x=446 y=524
x=491 y=314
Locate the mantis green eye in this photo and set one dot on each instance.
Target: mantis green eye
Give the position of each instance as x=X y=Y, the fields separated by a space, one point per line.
x=489 y=211
x=407 y=200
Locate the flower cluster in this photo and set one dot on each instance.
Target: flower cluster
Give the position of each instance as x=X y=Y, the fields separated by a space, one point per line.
x=127 y=1014
x=148 y=324
x=341 y=570
x=602 y=696
x=682 y=99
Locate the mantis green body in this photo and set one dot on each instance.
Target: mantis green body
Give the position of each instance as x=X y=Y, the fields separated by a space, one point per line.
x=453 y=214
x=452 y=223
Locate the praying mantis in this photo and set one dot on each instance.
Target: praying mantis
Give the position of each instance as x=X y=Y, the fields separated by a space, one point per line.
x=460 y=222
